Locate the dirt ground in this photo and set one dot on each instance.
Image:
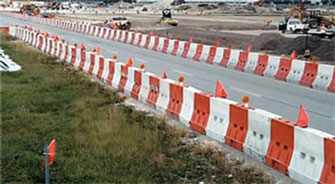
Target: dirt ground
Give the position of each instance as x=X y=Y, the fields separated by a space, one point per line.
x=207 y=29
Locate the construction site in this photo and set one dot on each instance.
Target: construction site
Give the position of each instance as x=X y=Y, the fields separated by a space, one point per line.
x=168 y=91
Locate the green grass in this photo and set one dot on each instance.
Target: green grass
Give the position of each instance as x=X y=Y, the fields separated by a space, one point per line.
x=97 y=140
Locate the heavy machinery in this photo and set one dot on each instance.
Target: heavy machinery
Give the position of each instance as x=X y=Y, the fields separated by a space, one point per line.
x=118 y=22
x=313 y=18
x=30 y=10
x=167 y=18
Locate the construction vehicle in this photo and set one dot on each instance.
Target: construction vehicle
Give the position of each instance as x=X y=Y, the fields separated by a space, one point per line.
x=31 y=10
x=48 y=15
x=118 y=22
x=293 y=25
x=167 y=18
x=313 y=18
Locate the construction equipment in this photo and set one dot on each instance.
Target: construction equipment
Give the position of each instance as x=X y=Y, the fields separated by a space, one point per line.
x=118 y=22
x=48 y=15
x=167 y=18
x=313 y=18
x=31 y=10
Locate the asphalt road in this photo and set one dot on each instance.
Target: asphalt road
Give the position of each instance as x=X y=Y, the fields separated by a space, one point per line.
x=274 y=96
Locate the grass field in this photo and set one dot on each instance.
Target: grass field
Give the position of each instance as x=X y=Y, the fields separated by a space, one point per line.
x=97 y=140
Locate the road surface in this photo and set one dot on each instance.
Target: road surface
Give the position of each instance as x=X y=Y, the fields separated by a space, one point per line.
x=278 y=97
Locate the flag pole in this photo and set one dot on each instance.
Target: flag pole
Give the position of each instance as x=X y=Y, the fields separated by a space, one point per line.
x=47 y=177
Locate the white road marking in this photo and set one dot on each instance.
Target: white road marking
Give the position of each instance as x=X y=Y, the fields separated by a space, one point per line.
x=247 y=92
x=181 y=72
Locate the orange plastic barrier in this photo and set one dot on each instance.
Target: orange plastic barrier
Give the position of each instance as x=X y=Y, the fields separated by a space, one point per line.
x=94 y=31
x=4 y=29
x=60 y=50
x=242 y=61
x=137 y=84
x=132 y=38
x=66 y=52
x=126 y=37
x=147 y=42
x=281 y=146
x=166 y=45
x=328 y=171
x=139 y=40
x=82 y=60
x=110 y=73
x=331 y=87
x=284 y=69
x=310 y=73
x=175 y=47
x=261 y=65
x=101 y=67
x=198 y=53
x=104 y=32
x=211 y=56
x=238 y=126
x=50 y=46
x=92 y=62
x=73 y=56
x=186 y=49
x=124 y=77
x=201 y=111
x=156 y=44
x=120 y=36
x=175 y=101
x=154 y=91
x=225 y=58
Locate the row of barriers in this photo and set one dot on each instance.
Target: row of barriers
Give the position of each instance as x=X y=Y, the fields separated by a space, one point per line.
x=304 y=154
x=313 y=75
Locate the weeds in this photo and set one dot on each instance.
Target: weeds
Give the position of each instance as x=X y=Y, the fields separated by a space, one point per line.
x=97 y=141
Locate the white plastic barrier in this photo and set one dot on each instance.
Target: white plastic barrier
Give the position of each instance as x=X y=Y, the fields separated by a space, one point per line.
x=164 y=94
x=218 y=121
x=188 y=105
x=252 y=62
x=144 y=40
x=145 y=87
x=219 y=55
x=192 y=50
x=161 y=44
x=130 y=81
x=233 y=59
x=205 y=53
x=308 y=156
x=259 y=133
x=296 y=72
x=105 y=72
x=117 y=75
x=324 y=77
x=152 y=42
x=170 y=46
x=272 y=67
x=181 y=46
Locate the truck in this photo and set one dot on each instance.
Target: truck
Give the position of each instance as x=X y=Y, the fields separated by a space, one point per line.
x=293 y=25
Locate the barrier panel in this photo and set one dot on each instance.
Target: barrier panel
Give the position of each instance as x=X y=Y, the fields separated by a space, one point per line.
x=156 y=44
x=117 y=74
x=331 y=87
x=284 y=69
x=175 y=101
x=251 y=62
x=281 y=147
x=161 y=43
x=180 y=48
x=145 y=87
x=205 y=53
x=259 y=133
x=131 y=80
x=192 y=51
x=296 y=71
x=123 y=78
x=101 y=61
x=187 y=107
x=164 y=94
x=242 y=61
x=218 y=118
x=125 y=39
x=211 y=56
x=92 y=63
x=272 y=67
x=73 y=56
x=110 y=76
x=324 y=77
x=261 y=65
x=198 y=52
x=147 y=41
x=137 y=84
x=309 y=75
x=186 y=49
x=166 y=45
x=218 y=56
x=139 y=41
x=143 y=40
x=201 y=111
x=226 y=56
x=328 y=171
x=154 y=91
x=308 y=155
x=82 y=60
x=238 y=126
x=175 y=47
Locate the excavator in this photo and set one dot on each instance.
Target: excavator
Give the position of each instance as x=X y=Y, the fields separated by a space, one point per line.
x=313 y=18
x=167 y=18
x=30 y=9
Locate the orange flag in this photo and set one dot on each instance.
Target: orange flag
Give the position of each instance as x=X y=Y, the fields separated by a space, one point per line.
x=220 y=91
x=51 y=153
x=302 y=118
x=164 y=75
x=293 y=54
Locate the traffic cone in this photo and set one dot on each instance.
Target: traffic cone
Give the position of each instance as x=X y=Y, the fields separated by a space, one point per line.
x=164 y=75
x=129 y=62
x=293 y=54
x=302 y=118
x=220 y=91
x=250 y=48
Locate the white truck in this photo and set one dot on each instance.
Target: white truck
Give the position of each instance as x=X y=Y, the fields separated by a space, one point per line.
x=293 y=25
